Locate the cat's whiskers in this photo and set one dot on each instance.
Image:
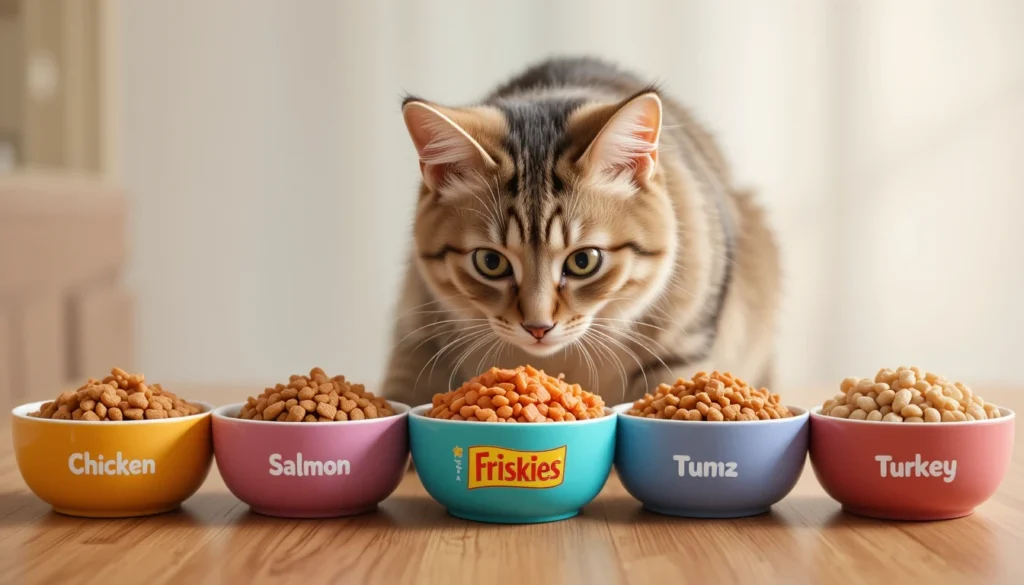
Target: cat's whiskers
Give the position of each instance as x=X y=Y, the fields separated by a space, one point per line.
x=611 y=353
x=633 y=335
x=466 y=352
x=626 y=349
x=436 y=324
x=434 y=302
x=439 y=353
x=449 y=333
x=628 y=321
x=639 y=341
x=493 y=214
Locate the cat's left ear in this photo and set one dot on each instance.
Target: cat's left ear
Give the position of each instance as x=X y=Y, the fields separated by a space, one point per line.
x=628 y=141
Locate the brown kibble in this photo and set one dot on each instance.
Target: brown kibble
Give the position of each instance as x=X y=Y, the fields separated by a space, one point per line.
x=320 y=400
x=326 y=410
x=714 y=396
x=296 y=414
x=273 y=410
x=138 y=400
x=133 y=413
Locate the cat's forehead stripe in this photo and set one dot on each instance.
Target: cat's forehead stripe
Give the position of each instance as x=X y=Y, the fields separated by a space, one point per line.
x=536 y=137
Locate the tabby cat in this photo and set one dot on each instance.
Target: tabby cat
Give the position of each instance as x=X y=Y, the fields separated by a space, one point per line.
x=581 y=221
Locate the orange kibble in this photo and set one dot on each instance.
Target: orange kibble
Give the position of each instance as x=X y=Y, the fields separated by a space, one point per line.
x=543 y=395
x=531 y=413
x=520 y=382
x=524 y=394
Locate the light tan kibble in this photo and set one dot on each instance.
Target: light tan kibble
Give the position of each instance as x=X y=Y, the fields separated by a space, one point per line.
x=908 y=395
x=867 y=404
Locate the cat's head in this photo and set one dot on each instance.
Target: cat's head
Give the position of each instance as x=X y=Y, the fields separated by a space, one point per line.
x=543 y=220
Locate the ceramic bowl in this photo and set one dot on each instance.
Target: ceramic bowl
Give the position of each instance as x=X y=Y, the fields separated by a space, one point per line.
x=703 y=469
x=112 y=469
x=512 y=473
x=908 y=471
x=311 y=470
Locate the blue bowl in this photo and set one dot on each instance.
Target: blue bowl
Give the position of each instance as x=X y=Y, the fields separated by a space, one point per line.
x=512 y=473
x=702 y=469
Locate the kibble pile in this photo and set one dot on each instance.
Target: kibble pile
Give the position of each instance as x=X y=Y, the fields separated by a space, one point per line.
x=315 y=398
x=710 y=397
x=908 y=395
x=522 y=395
x=119 y=396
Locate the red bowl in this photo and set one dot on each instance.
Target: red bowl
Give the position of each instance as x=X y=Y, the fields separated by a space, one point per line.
x=908 y=471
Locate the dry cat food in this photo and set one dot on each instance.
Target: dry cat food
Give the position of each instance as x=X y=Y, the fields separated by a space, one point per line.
x=711 y=397
x=315 y=398
x=119 y=396
x=908 y=395
x=522 y=395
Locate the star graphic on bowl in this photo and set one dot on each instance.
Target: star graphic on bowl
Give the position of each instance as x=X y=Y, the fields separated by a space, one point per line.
x=457 y=451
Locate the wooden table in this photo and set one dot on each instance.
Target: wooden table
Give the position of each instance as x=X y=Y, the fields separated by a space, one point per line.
x=214 y=538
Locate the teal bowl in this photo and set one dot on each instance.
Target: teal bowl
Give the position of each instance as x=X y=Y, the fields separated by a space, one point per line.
x=512 y=473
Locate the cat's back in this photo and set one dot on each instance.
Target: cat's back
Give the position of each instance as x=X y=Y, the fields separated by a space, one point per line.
x=567 y=81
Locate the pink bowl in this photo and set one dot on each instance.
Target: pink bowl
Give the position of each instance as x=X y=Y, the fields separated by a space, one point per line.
x=900 y=471
x=311 y=470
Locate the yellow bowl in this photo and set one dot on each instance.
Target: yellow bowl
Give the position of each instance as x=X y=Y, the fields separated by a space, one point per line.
x=113 y=469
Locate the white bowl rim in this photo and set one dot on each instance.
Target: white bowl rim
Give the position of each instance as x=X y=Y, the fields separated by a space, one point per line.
x=1005 y=415
x=421 y=410
x=221 y=412
x=800 y=414
x=23 y=411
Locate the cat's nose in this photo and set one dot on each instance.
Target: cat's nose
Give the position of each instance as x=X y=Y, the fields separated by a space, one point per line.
x=538 y=330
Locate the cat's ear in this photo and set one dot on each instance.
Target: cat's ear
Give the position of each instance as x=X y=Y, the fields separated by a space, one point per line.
x=443 y=146
x=628 y=141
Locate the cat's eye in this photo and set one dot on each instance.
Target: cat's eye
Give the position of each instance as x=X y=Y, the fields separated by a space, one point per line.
x=491 y=264
x=583 y=263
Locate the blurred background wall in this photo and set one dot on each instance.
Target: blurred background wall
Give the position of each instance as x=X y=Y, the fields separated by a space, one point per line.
x=271 y=181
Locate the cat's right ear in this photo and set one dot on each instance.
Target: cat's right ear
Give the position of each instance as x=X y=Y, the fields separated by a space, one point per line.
x=445 y=149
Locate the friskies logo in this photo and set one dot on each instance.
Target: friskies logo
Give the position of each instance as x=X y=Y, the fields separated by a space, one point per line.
x=497 y=467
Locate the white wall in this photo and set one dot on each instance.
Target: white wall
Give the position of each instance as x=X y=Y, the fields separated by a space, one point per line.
x=274 y=182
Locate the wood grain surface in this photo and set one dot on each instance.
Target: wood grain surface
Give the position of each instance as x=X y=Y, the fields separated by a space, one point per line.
x=214 y=538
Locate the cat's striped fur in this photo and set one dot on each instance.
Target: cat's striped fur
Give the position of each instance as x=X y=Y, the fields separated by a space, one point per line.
x=570 y=155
